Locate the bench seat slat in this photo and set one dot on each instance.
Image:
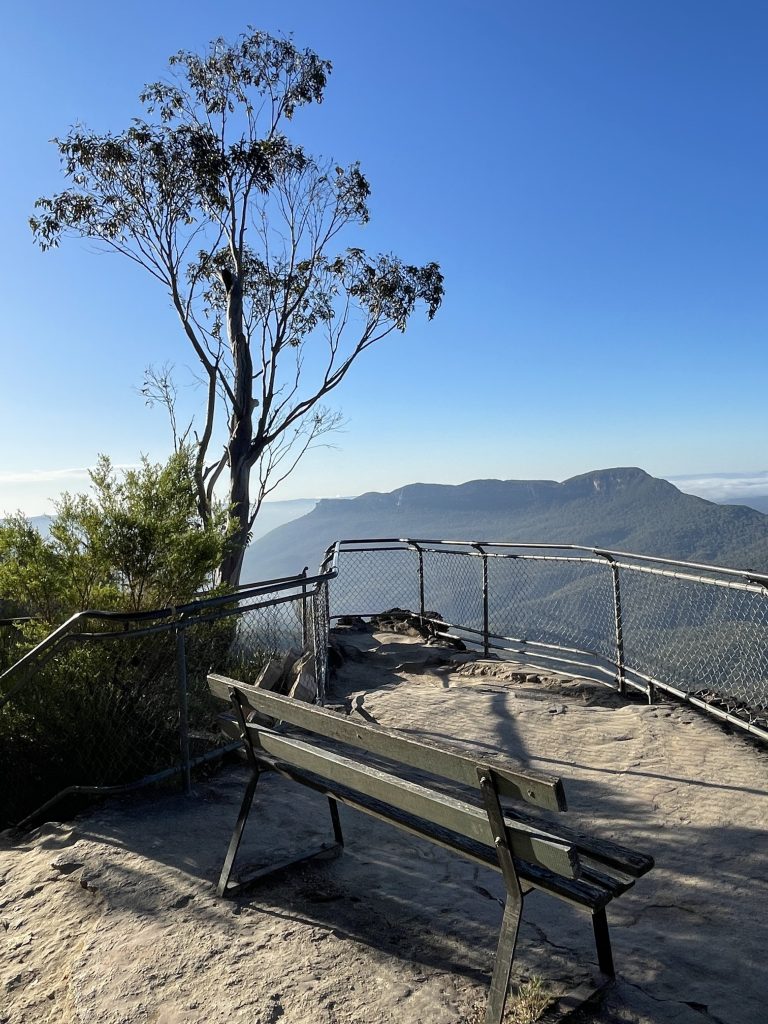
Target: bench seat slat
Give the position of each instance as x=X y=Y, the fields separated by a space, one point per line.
x=607 y=852
x=437 y=808
x=613 y=884
x=583 y=893
x=609 y=857
x=534 y=787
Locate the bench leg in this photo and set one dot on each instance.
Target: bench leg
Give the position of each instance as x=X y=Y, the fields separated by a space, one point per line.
x=513 y=908
x=337 y=833
x=237 y=835
x=325 y=851
x=603 y=943
x=505 y=953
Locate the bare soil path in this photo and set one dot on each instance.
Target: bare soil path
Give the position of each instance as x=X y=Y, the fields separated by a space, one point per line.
x=112 y=919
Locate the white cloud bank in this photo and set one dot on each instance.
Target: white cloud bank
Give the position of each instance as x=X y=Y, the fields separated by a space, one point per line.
x=34 y=491
x=39 y=476
x=723 y=486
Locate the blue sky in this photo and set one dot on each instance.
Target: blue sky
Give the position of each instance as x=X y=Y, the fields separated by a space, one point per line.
x=590 y=175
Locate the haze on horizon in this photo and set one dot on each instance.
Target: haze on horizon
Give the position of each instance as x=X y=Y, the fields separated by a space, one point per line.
x=35 y=495
x=590 y=178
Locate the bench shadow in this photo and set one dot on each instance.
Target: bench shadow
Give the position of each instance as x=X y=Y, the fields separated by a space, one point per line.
x=708 y=885
x=396 y=894
x=409 y=899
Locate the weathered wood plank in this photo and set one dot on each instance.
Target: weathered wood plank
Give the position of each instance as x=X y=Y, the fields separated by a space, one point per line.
x=607 y=864
x=538 y=788
x=434 y=807
x=580 y=893
x=605 y=851
x=614 y=884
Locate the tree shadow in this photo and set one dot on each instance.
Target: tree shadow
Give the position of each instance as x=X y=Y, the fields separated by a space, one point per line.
x=689 y=938
x=674 y=932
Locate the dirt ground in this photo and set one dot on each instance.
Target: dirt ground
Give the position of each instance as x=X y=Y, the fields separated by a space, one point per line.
x=112 y=918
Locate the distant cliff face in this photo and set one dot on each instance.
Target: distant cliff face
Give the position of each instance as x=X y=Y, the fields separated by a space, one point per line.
x=506 y=496
x=622 y=508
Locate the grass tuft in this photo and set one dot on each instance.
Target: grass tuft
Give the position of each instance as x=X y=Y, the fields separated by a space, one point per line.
x=528 y=1004
x=525 y=1006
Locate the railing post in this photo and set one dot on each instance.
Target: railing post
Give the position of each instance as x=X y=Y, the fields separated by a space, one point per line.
x=486 y=637
x=325 y=597
x=304 y=610
x=181 y=680
x=320 y=638
x=422 y=605
x=621 y=680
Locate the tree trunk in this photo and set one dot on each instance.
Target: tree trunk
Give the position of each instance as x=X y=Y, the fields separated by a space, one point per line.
x=239 y=504
x=241 y=433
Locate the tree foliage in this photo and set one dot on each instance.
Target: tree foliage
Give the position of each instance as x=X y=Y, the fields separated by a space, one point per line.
x=136 y=542
x=240 y=226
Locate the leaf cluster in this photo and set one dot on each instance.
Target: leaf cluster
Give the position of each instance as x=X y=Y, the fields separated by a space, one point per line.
x=186 y=167
x=135 y=542
x=240 y=225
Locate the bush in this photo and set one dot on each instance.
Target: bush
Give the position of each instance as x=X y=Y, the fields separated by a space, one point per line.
x=104 y=711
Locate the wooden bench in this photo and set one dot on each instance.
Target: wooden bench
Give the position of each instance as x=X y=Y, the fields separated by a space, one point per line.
x=464 y=814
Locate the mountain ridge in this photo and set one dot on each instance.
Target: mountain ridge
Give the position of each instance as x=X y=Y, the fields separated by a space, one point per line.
x=620 y=508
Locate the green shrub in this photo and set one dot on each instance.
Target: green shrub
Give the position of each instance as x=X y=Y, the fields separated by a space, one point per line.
x=104 y=711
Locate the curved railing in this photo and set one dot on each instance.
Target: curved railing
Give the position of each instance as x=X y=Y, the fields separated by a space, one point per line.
x=178 y=617
x=696 y=632
x=113 y=700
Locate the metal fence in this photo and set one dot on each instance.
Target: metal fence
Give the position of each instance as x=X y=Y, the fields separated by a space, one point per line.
x=110 y=701
x=696 y=632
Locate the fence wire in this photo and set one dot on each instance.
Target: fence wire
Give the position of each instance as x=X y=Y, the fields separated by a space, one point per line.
x=560 y=602
x=376 y=580
x=113 y=702
x=453 y=587
x=708 y=640
x=700 y=632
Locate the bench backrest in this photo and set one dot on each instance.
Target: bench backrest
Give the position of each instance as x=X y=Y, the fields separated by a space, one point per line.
x=353 y=773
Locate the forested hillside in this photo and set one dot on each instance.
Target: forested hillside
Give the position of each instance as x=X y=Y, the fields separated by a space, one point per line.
x=623 y=509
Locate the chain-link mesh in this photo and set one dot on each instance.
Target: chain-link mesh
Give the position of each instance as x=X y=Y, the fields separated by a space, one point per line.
x=116 y=701
x=704 y=635
x=264 y=631
x=77 y=719
x=558 y=602
x=703 y=638
x=103 y=706
x=453 y=587
x=375 y=580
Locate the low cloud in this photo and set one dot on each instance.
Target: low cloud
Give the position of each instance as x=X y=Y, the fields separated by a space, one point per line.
x=34 y=492
x=723 y=486
x=36 y=476
x=41 y=476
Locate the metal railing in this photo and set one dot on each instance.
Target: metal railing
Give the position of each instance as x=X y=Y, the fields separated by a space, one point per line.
x=110 y=701
x=695 y=632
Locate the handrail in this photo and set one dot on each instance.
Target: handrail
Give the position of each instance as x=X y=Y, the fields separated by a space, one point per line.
x=686 y=669
x=185 y=611
x=748 y=576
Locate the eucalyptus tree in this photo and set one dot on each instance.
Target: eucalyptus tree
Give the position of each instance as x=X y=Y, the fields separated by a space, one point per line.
x=241 y=227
